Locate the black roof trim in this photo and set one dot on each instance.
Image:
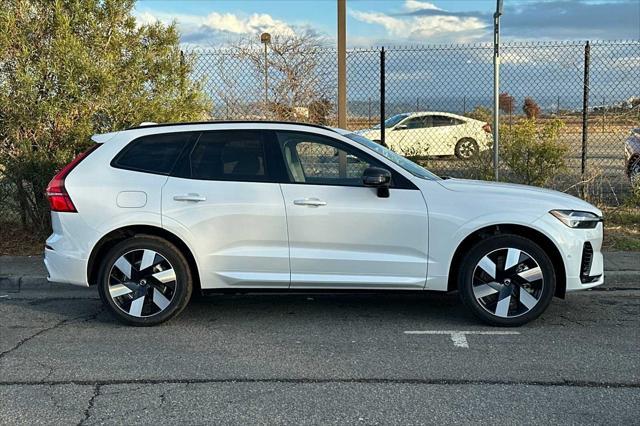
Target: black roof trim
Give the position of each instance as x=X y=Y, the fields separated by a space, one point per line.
x=230 y=122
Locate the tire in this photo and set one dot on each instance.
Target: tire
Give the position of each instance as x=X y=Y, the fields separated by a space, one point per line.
x=466 y=148
x=506 y=280
x=148 y=296
x=634 y=171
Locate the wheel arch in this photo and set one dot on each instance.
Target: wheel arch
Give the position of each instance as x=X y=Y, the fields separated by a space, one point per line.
x=524 y=231
x=115 y=236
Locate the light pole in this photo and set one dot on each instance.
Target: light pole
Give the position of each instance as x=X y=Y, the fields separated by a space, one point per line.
x=265 y=38
x=496 y=87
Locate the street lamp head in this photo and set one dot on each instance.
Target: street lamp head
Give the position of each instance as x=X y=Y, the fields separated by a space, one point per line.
x=265 y=38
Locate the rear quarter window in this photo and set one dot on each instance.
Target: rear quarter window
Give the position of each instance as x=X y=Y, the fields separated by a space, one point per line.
x=153 y=153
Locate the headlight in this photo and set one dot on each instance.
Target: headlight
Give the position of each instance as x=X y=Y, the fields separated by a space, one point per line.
x=577 y=219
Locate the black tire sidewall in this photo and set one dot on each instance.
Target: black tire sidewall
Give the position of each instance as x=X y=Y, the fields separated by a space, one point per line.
x=172 y=254
x=481 y=249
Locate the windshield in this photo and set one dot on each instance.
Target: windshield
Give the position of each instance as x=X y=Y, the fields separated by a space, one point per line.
x=392 y=121
x=399 y=160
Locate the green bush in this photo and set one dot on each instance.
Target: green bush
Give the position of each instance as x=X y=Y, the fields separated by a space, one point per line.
x=533 y=153
x=480 y=113
x=69 y=69
x=530 y=153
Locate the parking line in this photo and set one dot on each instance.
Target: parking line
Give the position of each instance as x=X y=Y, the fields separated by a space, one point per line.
x=459 y=338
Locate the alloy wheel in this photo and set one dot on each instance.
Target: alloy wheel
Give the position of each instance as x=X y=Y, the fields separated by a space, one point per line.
x=467 y=149
x=142 y=283
x=508 y=282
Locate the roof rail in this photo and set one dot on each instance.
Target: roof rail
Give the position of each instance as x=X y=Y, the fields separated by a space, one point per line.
x=147 y=125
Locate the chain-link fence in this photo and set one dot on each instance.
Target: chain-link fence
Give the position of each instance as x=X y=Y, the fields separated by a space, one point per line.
x=437 y=104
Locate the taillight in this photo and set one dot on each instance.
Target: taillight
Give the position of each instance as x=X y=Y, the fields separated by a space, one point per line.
x=59 y=199
x=487 y=127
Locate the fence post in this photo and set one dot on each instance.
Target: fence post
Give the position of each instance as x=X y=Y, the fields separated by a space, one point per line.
x=585 y=110
x=604 y=113
x=382 y=96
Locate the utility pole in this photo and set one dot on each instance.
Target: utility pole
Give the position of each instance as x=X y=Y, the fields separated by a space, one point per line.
x=496 y=87
x=342 y=64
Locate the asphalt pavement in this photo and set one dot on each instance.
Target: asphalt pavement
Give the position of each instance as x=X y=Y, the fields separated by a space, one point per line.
x=318 y=359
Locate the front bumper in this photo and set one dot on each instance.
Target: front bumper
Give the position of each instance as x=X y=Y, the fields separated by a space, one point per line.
x=571 y=244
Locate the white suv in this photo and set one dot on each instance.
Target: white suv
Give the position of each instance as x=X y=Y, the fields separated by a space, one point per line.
x=157 y=212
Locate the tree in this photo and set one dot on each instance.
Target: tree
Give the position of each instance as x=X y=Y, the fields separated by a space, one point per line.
x=297 y=79
x=531 y=108
x=506 y=103
x=71 y=68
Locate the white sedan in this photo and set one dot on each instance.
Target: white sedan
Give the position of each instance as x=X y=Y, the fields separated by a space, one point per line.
x=421 y=134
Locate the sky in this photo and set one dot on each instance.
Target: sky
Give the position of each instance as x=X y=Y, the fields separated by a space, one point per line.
x=213 y=23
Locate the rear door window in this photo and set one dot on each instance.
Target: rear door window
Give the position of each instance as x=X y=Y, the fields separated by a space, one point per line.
x=153 y=153
x=443 y=121
x=230 y=155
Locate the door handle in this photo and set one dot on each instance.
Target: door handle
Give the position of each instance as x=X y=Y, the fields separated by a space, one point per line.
x=189 y=197
x=313 y=202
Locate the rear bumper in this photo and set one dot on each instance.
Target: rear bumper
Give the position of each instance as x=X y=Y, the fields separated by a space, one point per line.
x=62 y=268
x=66 y=257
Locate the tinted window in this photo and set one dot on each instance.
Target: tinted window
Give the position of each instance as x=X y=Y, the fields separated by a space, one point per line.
x=419 y=122
x=229 y=155
x=442 y=120
x=317 y=159
x=153 y=153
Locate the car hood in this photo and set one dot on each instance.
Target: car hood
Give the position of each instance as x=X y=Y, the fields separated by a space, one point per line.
x=524 y=195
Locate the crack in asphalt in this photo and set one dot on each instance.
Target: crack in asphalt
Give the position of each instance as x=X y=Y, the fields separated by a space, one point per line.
x=53 y=327
x=453 y=382
x=92 y=400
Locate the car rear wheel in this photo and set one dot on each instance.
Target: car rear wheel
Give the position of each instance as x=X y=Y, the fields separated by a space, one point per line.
x=506 y=280
x=466 y=148
x=144 y=281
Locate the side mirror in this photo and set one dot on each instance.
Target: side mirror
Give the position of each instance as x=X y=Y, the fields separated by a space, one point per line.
x=376 y=177
x=400 y=127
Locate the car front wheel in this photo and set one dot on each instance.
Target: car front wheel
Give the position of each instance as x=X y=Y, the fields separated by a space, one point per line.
x=144 y=281
x=506 y=280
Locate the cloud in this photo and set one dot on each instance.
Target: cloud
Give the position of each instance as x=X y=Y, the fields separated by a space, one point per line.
x=555 y=19
x=392 y=25
x=574 y=19
x=208 y=29
x=414 y=5
x=436 y=24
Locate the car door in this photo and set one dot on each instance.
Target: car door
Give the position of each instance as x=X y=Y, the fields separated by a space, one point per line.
x=445 y=134
x=225 y=199
x=341 y=233
x=417 y=137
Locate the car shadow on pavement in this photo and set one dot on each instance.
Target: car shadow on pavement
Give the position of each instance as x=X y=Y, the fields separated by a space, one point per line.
x=302 y=308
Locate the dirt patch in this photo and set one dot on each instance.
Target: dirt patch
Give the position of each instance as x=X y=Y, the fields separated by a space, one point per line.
x=15 y=241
